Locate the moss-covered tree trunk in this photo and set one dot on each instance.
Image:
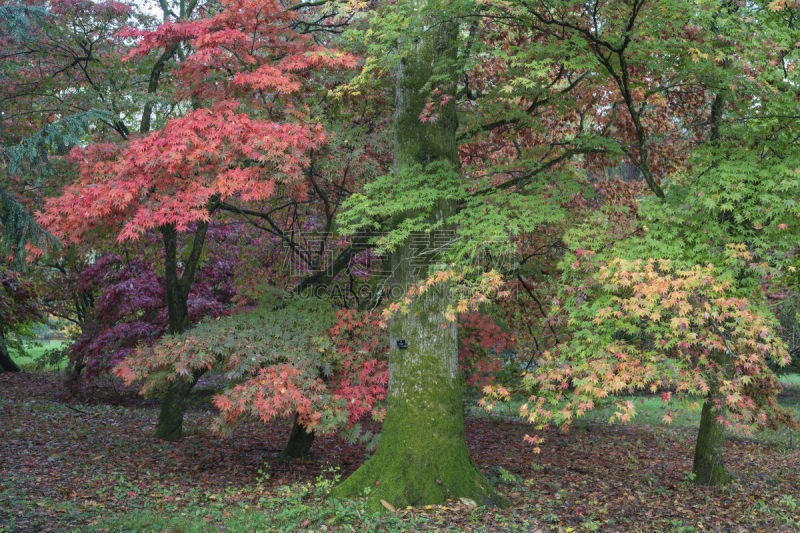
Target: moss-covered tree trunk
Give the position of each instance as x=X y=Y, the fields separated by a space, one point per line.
x=176 y=288
x=6 y=363
x=708 y=468
x=422 y=456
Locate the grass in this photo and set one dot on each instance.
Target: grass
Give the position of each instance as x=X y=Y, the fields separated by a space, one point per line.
x=650 y=411
x=30 y=360
x=790 y=380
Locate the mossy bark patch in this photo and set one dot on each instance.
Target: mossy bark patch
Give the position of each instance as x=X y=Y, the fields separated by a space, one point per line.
x=708 y=467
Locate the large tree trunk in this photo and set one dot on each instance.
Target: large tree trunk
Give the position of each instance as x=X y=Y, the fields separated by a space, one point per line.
x=422 y=456
x=6 y=363
x=708 y=468
x=170 y=418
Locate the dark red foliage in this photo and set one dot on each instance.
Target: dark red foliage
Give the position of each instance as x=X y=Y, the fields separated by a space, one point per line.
x=130 y=307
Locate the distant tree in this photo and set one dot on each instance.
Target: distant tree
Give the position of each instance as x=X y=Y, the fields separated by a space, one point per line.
x=60 y=85
x=18 y=309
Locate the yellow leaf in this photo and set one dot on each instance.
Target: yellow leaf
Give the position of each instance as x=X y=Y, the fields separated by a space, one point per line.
x=389 y=507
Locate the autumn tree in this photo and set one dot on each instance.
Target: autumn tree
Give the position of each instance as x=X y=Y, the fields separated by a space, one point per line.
x=241 y=139
x=734 y=190
x=128 y=307
x=287 y=357
x=664 y=325
x=689 y=93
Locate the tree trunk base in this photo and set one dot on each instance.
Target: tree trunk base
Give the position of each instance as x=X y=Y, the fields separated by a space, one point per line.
x=173 y=407
x=422 y=456
x=299 y=444
x=6 y=363
x=402 y=478
x=708 y=468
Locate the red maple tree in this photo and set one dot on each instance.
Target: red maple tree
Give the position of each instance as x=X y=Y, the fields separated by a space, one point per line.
x=245 y=72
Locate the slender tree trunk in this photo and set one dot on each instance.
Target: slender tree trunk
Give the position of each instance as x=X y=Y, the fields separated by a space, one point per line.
x=300 y=441
x=173 y=407
x=6 y=363
x=170 y=418
x=422 y=456
x=708 y=468
x=177 y=307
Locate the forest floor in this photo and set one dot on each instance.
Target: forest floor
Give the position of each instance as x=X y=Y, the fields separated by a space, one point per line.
x=90 y=464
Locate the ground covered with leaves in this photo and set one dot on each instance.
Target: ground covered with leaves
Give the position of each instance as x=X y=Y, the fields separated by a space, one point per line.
x=90 y=463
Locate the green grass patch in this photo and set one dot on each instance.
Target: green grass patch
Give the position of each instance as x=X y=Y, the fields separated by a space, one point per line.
x=686 y=414
x=32 y=359
x=790 y=380
x=650 y=410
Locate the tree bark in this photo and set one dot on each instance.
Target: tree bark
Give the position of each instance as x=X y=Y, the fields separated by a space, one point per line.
x=708 y=468
x=173 y=407
x=176 y=288
x=300 y=441
x=6 y=363
x=422 y=456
